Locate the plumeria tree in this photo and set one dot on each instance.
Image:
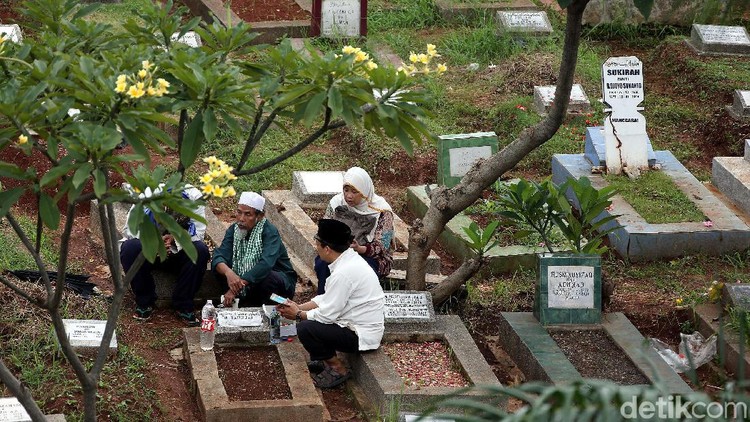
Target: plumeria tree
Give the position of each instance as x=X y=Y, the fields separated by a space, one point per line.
x=75 y=91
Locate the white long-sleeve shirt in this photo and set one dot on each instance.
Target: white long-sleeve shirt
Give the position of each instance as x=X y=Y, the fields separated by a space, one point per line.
x=353 y=299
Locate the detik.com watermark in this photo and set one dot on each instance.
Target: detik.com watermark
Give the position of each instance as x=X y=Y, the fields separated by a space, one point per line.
x=677 y=407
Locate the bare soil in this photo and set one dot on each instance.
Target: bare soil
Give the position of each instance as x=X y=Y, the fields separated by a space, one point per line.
x=252 y=373
x=425 y=364
x=268 y=10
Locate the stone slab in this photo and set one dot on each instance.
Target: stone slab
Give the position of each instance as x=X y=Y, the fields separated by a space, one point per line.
x=524 y=22
x=297 y=229
x=568 y=289
x=213 y=402
x=317 y=187
x=374 y=372
x=416 y=417
x=710 y=320
x=87 y=333
x=740 y=108
x=638 y=240
x=455 y=241
x=736 y=295
x=409 y=307
x=458 y=152
x=595 y=150
x=720 y=39
x=254 y=335
x=12 y=32
x=463 y=12
x=544 y=97
x=731 y=175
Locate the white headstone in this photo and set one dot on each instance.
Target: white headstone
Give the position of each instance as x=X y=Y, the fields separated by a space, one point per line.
x=529 y=22
x=544 y=97
x=340 y=18
x=190 y=38
x=720 y=34
x=740 y=108
x=461 y=159
x=624 y=128
x=235 y=318
x=317 y=187
x=570 y=287
x=87 y=333
x=12 y=32
x=12 y=411
x=414 y=306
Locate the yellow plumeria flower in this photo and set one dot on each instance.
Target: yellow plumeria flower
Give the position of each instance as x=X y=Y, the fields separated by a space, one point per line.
x=432 y=51
x=423 y=58
x=372 y=65
x=122 y=84
x=135 y=92
x=207 y=189
x=441 y=68
x=22 y=139
x=210 y=160
x=142 y=73
x=679 y=301
x=146 y=65
x=218 y=191
x=348 y=49
x=361 y=56
x=151 y=91
x=206 y=178
x=230 y=191
x=163 y=84
x=413 y=57
x=121 y=79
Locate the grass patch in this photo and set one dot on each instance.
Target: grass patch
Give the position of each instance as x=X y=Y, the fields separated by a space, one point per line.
x=116 y=14
x=14 y=256
x=512 y=292
x=656 y=198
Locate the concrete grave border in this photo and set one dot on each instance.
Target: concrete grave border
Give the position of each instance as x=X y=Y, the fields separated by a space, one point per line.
x=541 y=359
x=213 y=402
x=375 y=374
x=638 y=240
x=708 y=318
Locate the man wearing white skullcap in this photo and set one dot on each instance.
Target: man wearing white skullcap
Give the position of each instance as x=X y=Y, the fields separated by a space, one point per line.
x=252 y=259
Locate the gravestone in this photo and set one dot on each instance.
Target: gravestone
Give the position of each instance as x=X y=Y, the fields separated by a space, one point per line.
x=737 y=296
x=11 y=32
x=526 y=22
x=594 y=148
x=409 y=307
x=544 y=97
x=87 y=333
x=191 y=39
x=731 y=175
x=414 y=417
x=339 y=18
x=317 y=187
x=457 y=153
x=568 y=289
x=239 y=318
x=624 y=127
x=11 y=410
x=740 y=108
x=720 y=39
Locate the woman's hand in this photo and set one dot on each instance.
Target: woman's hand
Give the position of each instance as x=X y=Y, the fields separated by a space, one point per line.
x=360 y=249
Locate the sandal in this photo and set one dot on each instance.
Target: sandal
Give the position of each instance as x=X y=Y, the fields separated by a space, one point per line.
x=143 y=314
x=188 y=318
x=329 y=378
x=316 y=366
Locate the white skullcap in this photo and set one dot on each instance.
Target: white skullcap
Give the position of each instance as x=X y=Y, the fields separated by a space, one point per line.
x=253 y=200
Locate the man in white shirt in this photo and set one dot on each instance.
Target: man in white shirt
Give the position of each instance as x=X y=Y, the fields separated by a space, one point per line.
x=348 y=317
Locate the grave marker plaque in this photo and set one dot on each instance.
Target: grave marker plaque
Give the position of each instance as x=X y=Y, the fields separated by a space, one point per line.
x=457 y=153
x=740 y=108
x=530 y=22
x=624 y=127
x=11 y=410
x=568 y=289
x=317 y=187
x=87 y=333
x=720 y=39
x=544 y=97
x=339 y=18
x=11 y=32
x=235 y=318
x=191 y=39
x=409 y=307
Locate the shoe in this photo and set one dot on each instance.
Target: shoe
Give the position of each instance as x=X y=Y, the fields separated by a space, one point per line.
x=329 y=378
x=143 y=314
x=316 y=366
x=188 y=317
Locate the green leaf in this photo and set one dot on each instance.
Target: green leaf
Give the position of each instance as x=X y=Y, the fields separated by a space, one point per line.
x=209 y=124
x=100 y=183
x=335 y=101
x=314 y=107
x=48 y=211
x=8 y=198
x=82 y=174
x=53 y=175
x=150 y=240
x=191 y=143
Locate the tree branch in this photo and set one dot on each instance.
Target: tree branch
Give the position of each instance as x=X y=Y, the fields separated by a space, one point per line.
x=37 y=259
x=21 y=393
x=251 y=142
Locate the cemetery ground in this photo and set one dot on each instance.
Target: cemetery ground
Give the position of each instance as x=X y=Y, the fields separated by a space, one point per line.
x=685 y=104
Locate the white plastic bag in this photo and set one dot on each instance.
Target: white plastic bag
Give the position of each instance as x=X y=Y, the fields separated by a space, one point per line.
x=701 y=351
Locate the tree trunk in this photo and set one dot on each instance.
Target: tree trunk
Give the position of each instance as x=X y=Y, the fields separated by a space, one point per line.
x=446 y=203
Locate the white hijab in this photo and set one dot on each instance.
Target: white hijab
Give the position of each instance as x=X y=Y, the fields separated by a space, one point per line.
x=371 y=205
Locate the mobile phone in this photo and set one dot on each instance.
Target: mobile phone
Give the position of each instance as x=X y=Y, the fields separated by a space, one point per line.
x=278 y=299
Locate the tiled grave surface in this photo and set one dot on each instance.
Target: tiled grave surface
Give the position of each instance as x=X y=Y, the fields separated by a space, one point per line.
x=297 y=229
x=453 y=11
x=374 y=372
x=719 y=39
x=270 y=32
x=304 y=406
x=709 y=319
x=641 y=241
x=455 y=240
x=540 y=359
x=165 y=282
x=544 y=97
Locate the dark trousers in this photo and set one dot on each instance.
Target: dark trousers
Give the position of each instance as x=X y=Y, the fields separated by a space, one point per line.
x=257 y=294
x=322 y=341
x=189 y=275
x=322 y=271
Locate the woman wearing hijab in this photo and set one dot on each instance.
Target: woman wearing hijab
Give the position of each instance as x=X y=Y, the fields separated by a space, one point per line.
x=370 y=219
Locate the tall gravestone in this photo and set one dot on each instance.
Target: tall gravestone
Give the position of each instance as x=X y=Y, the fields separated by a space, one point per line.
x=624 y=126
x=569 y=289
x=339 y=18
x=457 y=153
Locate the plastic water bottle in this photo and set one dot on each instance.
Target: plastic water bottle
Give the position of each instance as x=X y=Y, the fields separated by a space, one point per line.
x=274 y=320
x=208 y=326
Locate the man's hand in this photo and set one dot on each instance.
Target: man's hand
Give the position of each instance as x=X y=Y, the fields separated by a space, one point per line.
x=168 y=242
x=229 y=298
x=235 y=282
x=288 y=309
